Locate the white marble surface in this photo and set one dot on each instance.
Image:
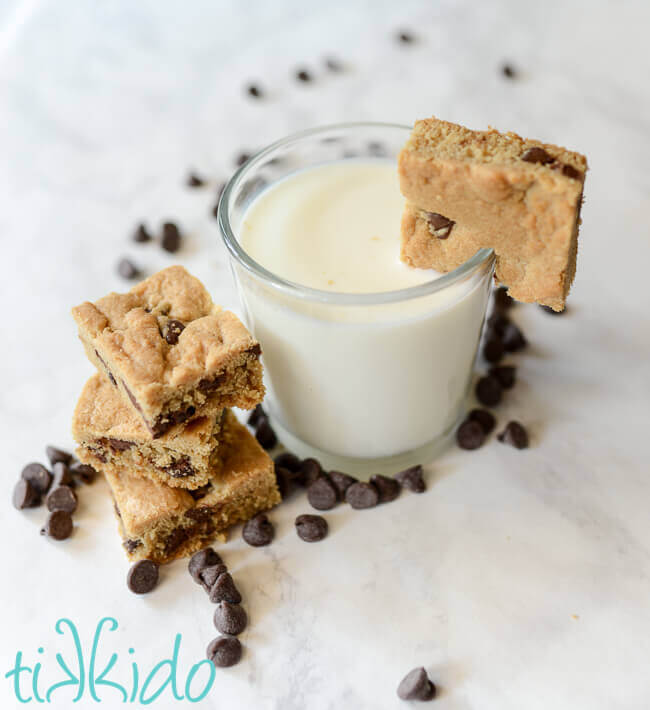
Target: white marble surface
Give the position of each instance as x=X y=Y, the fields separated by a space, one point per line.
x=520 y=579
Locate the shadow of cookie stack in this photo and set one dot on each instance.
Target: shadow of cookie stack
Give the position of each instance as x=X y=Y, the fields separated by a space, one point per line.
x=156 y=420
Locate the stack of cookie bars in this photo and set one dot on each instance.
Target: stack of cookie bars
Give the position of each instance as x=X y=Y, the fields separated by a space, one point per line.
x=155 y=418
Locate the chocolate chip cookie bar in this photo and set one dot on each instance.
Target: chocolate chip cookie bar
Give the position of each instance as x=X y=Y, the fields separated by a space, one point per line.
x=108 y=431
x=171 y=351
x=161 y=523
x=468 y=190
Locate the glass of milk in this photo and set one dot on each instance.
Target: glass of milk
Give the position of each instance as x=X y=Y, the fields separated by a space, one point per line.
x=367 y=361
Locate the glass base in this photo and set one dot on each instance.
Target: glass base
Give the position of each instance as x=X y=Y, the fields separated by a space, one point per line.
x=364 y=468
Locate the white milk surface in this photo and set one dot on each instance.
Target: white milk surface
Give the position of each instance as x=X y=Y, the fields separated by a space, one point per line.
x=356 y=381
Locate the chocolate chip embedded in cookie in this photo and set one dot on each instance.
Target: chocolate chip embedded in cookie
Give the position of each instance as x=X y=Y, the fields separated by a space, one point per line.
x=537 y=155
x=439 y=225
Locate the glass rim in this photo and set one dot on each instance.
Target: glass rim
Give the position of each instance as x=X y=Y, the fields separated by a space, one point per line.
x=291 y=288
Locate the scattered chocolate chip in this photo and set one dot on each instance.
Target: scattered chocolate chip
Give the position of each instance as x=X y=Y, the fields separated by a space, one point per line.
x=488 y=391
x=552 y=312
x=61 y=498
x=200 y=560
x=513 y=338
x=497 y=324
x=334 y=65
x=127 y=269
x=209 y=575
x=416 y=686
x=405 y=37
x=376 y=148
x=311 y=528
x=289 y=461
x=258 y=531
x=321 y=494
x=493 y=349
x=362 y=495
x=411 y=479
x=439 y=225
x=310 y=470
x=509 y=71
x=341 y=482
x=265 y=435
x=38 y=476
x=171 y=237
x=25 y=495
x=255 y=91
x=172 y=330
x=515 y=435
x=224 y=651
x=57 y=455
x=230 y=618
x=58 y=525
x=502 y=301
x=141 y=234
x=470 y=435
x=83 y=472
x=567 y=170
x=142 y=577
x=303 y=75
x=506 y=374
x=193 y=180
x=388 y=488
x=256 y=415
x=61 y=475
x=241 y=159
x=285 y=480
x=484 y=418
x=224 y=589
x=536 y=155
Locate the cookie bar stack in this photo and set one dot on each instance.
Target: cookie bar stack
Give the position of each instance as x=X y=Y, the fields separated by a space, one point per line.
x=156 y=421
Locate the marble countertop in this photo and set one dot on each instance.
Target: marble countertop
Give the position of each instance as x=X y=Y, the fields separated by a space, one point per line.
x=520 y=579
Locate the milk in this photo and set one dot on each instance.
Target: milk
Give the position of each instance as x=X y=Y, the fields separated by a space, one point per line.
x=363 y=377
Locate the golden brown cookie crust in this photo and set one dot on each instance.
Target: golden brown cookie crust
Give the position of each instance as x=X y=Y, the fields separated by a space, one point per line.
x=528 y=212
x=213 y=364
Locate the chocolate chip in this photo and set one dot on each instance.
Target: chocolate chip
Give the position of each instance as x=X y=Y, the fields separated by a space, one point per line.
x=130 y=545
x=341 y=482
x=224 y=589
x=58 y=525
x=200 y=492
x=209 y=575
x=334 y=65
x=285 y=481
x=502 y=301
x=509 y=71
x=567 y=170
x=536 y=155
x=224 y=651
x=127 y=269
x=38 y=476
x=172 y=330
x=61 y=498
x=61 y=475
x=254 y=91
x=321 y=494
x=258 y=531
x=200 y=560
x=513 y=338
x=488 y=391
x=265 y=435
x=405 y=37
x=493 y=349
x=362 y=495
x=241 y=159
x=57 y=455
x=551 y=311
x=515 y=435
x=303 y=75
x=141 y=234
x=388 y=488
x=25 y=495
x=506 y=374
x=411 y=478
x=193 y=180
x=230 y=618
x=289 y=461
x=82 y=472
x=310 y=470
x=142 y=577
x=484 y=418
x=311 y=528
x=439 y=225
x=497 y=324
x=376 y=148
x=255 y=416
x=171 y=238
x=470 y=435
x=416 y=686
